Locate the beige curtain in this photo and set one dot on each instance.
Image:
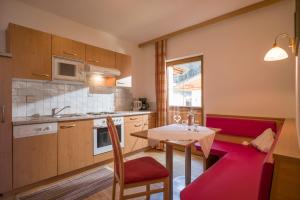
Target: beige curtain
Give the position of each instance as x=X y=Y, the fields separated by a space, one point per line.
x=161 y=82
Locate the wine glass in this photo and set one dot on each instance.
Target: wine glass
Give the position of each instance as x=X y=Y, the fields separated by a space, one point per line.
x=177 y=117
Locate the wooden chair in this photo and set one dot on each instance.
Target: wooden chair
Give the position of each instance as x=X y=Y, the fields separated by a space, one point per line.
x=137 y=172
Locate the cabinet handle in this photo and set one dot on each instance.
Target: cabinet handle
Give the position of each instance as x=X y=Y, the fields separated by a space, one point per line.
x=43 y=75
x=67 y=126
x=137 y=125
x=70 y=53
x=133 y=118
x=96 y=61
x=3 y=114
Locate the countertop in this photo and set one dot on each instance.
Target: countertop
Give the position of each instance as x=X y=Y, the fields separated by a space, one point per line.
x=287 y=145
x=48 y=119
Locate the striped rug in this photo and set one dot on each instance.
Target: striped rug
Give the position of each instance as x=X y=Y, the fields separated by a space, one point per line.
x=74 y=188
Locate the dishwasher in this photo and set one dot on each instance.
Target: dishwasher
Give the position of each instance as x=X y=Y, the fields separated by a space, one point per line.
x=34 y=153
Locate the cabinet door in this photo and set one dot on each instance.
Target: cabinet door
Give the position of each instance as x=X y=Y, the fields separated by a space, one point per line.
x=100 y=57
x=123 y=63
x=134 y=124
x=31 y=51
x=34 y=159
x=152 y=120
x=5 y=126
x=67 y=48
x=75 y=145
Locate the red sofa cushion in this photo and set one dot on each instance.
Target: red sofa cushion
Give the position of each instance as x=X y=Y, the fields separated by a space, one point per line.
x=236 y=176
x=240 y=127
x=143 y=169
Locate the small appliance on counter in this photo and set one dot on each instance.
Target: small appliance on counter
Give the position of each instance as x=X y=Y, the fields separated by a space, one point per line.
x=145 y=104
x=136 y=105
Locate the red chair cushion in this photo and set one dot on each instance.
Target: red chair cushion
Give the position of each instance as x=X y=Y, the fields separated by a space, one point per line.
x=143 y=169
x=240 y=127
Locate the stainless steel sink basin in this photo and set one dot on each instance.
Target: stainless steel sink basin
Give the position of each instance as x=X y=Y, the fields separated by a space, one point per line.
x=69 y=115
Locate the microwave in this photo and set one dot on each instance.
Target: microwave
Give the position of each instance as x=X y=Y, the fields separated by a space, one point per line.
x=68 y=70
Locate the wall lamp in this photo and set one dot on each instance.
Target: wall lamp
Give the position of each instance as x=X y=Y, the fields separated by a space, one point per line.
x=277 y=53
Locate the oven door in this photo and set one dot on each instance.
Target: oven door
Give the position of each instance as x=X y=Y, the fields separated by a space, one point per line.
x=102 y=141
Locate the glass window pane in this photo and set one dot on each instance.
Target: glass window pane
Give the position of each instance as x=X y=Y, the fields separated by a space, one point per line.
x=184 y=84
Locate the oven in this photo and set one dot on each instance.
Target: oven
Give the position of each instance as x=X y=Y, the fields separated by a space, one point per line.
x=102 y=141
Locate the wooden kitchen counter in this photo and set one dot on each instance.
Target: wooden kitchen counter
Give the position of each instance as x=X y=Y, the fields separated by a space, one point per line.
x=286 y=177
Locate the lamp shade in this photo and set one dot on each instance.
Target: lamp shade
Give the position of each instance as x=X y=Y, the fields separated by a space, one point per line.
x=276 y=53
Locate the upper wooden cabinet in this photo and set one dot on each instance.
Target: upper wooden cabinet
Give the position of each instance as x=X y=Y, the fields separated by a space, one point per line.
x=31 y=51
x=67 y=48
x=123 y=63
x=100 y=57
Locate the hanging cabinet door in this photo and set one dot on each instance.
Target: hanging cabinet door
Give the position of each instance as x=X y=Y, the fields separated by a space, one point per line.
x=67 y=48
x=100 y=57
x=123 y=63
x=31 y=51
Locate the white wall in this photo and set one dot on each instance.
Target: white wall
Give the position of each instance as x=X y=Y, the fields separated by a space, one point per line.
x=236 y=79
x=22 y=14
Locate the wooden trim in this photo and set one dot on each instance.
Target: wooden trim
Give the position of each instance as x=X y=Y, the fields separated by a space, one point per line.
x=185 y=60
x=214 y=20
x=246 y=117
x=182 y=61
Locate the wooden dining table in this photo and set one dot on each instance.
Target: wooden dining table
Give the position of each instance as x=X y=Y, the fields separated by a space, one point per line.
x=170 y=144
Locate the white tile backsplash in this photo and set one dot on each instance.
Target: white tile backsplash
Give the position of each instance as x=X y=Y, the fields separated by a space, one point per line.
x=42 y=96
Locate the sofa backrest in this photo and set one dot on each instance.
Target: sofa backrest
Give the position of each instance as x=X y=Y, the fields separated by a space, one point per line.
x=240 y=126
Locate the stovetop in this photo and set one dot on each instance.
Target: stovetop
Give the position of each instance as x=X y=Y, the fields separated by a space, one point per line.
x=101 y=113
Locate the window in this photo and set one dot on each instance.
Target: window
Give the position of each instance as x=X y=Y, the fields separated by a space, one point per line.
x=185 y=82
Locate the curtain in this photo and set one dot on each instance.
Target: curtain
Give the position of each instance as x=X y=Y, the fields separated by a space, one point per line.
x=161 y=82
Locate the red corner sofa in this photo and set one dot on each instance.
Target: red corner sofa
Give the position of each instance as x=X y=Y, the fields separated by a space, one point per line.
x=241 y=172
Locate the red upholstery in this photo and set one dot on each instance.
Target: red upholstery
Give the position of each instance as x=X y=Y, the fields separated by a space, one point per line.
x=240 y=127
x=143 y=169
x=220 y=148
x=242 y=173
x=233 y=177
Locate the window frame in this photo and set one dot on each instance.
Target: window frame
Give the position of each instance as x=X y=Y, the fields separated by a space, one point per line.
x=183 y=61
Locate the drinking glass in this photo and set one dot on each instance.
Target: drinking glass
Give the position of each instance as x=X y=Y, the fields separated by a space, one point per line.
x=177 y=117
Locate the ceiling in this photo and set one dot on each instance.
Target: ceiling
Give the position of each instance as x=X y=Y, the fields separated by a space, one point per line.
x=138 y=20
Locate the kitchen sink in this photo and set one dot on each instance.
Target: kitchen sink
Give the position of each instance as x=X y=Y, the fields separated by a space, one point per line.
x=69 y=115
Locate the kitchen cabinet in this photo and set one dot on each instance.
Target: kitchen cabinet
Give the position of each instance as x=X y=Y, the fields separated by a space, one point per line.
x=31 y=51
x=152 y=120
x=123 y=63
x=34 y=153
x=75 y=145
x=100 y=57
x=67 y=48
x=134 y=124
x=5 y=125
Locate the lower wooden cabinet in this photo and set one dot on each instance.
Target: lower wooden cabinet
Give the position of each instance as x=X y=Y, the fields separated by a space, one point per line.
x=5 y=125
x=135 y=124
x=34 y=159
x=75 y=145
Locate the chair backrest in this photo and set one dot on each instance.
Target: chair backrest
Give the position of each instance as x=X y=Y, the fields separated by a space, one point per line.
x=118 y=156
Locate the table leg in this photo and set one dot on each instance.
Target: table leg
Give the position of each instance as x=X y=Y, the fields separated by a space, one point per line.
x=188 y=158
x=169 y=164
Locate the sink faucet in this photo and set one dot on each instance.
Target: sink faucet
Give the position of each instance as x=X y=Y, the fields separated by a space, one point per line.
x=54 y=113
